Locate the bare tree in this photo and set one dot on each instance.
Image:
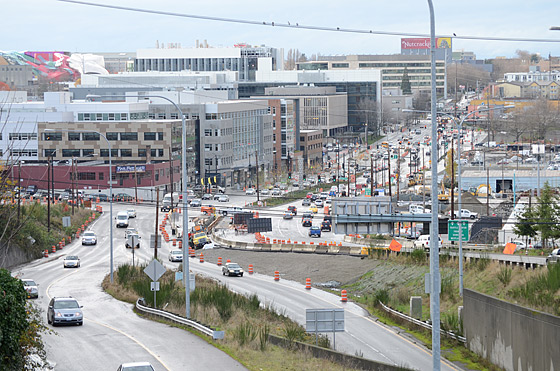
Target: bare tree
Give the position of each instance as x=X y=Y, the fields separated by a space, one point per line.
x=467 y=75
x=542 y=118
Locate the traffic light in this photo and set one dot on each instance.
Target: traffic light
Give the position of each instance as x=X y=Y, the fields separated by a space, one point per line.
x=289 y=175
x=304 y=177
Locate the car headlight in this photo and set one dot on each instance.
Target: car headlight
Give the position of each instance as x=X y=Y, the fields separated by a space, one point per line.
x=58 y=314
x=77 y=314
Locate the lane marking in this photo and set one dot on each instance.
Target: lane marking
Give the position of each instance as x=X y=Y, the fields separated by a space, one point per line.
x=110 y=327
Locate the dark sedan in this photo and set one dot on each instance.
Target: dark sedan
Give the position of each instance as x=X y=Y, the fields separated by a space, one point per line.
x=232 y=269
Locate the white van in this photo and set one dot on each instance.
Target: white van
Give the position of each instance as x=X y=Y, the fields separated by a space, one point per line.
x=417 y=209
x=424 y=242
x=166 y=204
x=122 y=219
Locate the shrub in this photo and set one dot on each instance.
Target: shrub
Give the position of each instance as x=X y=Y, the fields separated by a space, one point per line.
x=264 y=331
x=418 y=256
x=293 y=332
x=381 y=296
x=452 y=323
x=244 y=333
x=504 y=275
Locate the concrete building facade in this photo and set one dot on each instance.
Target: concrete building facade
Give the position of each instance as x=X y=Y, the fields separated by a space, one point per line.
x=311 y=145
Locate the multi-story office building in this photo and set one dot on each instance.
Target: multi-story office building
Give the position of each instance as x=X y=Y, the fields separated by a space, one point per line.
x=532 y=76
x=311 y=145
x=242 y=58
x=392 y=68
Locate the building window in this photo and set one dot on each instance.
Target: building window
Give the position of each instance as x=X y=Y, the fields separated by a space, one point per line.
x=87 y=117
x=90 y=136
x=54 y=136
x=98 y=117
x=87 y=152
x=340 y=65
x=71 y=153
x=100 y=176
x=111 y=117
x=112 y=136
x=129 y=136
x=208 y=147
x=149 y=136
x=160 y=135
x=124 y=117
x=142 y=152
x=74 y=136
x=126 y=152
x=105 y=153
x=49 y=152
x=86 y=176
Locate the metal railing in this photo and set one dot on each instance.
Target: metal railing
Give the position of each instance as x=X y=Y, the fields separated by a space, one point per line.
x=422 y=323
x=181 y=320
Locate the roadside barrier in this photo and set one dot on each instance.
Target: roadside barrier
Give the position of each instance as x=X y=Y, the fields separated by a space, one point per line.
x=202 y=258
x=308 y=283
x=343 y=296
x=174 y=242
x=276 y=276
x=228 y=261
x=180 y=244
x=53 y=249
x=219 y=260
x=46 y=253
x=250 y=268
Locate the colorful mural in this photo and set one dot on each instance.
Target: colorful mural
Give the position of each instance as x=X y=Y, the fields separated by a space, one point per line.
x=52 y=66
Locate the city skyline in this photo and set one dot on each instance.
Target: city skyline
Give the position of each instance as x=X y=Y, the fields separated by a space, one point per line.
x=113 y=30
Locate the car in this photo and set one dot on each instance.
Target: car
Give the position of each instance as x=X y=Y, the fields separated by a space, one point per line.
x=520 y=245
x=313 y=209
x=307 y=214
x=306 y=184
x=306 y=202
x=326 y=226
x=288 y=215
x=31 y=288
x=295 y=185
x=176 y=256
x=307 y=222
x=324 y=195
x=196 y=202
x=250 y=191
x=276 y=192
x=71 y=261
x=131 y=213
x=232 y=269
x=309 y=195
x=328 y=200
x=136 y=366
x=207 y=196
x=123 y=197
x=292 y=209
x=264 y=191
x=101 y=196
x=553 y=257
x=129 y=238
x=130 y=230
x=216 y=197
x=223 y=198
x=423 y=241
x=89 y=238
x=327 y=218
x=64 y=310
x=319 y=202
x=314 y=231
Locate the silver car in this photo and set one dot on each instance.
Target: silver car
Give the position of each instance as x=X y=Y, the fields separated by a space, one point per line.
x=553 y=257
x=65 y=310
x=136 y=366
x=71 y=261
x=176 y=256
x=31 y=288
x=89 y=238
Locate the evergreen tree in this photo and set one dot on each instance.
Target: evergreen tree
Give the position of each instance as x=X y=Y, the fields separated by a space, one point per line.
x=547 y=214
x=405 y=84
x=525 y=225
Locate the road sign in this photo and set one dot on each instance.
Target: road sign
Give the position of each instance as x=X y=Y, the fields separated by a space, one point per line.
x=66 y=222
x=324 y=320
x=153 y=241
x=453 y=228
x=154 y=270
x=133 y=240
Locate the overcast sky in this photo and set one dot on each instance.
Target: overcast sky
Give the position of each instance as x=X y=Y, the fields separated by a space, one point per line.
x=48 y=25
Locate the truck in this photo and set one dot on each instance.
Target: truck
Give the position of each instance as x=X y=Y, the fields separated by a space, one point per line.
x=167 y=199
x=198 y=238
x=122 y=219
x=465 y=214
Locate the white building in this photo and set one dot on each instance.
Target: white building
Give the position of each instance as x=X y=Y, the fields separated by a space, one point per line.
x=532 y=76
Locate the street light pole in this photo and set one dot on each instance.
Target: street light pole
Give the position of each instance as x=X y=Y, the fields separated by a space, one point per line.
x=186 y=269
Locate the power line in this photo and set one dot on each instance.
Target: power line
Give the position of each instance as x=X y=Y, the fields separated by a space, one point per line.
x=306 y=27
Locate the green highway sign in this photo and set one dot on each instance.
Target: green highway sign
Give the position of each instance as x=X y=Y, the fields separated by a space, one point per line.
x=453 y=229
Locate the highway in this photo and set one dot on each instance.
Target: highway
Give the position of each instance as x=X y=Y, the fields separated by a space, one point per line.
x=112 y=333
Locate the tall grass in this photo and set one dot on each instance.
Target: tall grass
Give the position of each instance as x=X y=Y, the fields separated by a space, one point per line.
x=504 y=275
x=418 y=256
x=540 y=291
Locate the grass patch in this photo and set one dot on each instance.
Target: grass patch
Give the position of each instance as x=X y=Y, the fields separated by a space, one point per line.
x=246 y=321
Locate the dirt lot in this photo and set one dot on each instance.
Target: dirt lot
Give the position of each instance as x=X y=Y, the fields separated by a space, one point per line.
x=325 y=270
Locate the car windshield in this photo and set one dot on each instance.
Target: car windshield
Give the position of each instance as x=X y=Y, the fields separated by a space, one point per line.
x=66 y=304
x=131 y=211
x=233 y=265
x=71 y=258
x=138 y=368
x=29 y=283
x=176 y=252
x=89 y=234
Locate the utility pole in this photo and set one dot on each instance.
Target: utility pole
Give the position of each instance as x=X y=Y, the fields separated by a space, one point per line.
x=453 y=182
x=49 y=164
x=257 y=162
x=173 y=231
x=157 y=214
x=389 y=173
x=371 y=174
x=136 y=186
x=488 y=191
x=398 y=173
x=348 y=178
x=72 y=176
x=423 y=181
x=19 y=191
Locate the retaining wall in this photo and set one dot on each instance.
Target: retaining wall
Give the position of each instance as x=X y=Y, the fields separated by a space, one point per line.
x=510 y=336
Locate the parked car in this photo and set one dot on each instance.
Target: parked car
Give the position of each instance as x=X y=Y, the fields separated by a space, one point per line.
x=465 y=214
x=288 y=215
x=196 y=202
x=64 y=310
x=553 y=257
x=89 y=238
x=307 y=222
x=131 y=213
x=123 y=197
x=31 y=288
x=71 y=261
x=326 y=226
x=101 y=196
x=520 y=245
x=232 y=269
x=207 y=196
x=306 y=202
x=250 y=191
x=176 y=256
x=136 y=366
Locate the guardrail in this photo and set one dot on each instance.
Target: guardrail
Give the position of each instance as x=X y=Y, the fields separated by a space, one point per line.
x=183 y=321
x=423 y=324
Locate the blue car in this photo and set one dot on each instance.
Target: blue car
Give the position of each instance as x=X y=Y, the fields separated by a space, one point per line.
x=314 y=232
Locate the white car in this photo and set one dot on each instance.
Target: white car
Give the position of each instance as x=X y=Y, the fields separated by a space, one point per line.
x=176 y=256
x=223 y=198
x=136 y=366
x=71 y=261
x=250 y=191
x=131 y=213
x=89 y=238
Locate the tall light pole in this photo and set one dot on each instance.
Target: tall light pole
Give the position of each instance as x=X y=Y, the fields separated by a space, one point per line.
x=434 y=235
x=186 y=269
x=110 y=185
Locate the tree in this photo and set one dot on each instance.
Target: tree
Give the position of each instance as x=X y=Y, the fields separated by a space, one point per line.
x=526 y=224
x=547 y=215
x=467 y=75
x=405 y=84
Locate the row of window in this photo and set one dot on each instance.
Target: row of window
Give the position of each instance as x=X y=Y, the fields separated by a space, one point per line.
x=114 y=136
x=119 y=116
x=21 y=136
x=125 y=152
x=16 y=152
